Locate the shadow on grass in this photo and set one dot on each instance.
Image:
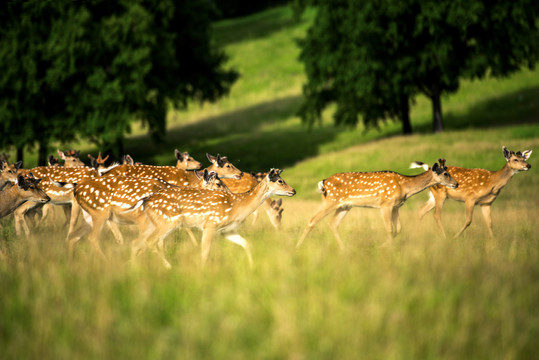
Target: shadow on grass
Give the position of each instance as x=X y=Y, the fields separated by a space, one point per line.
x=519 y=107
x=245 y=136
x=255 y=26
x=254 y=139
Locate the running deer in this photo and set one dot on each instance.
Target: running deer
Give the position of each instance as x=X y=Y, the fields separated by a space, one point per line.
x=8 y=173
x=476 y=187
x=385 y=190
x=25 y=189
x=211 y=211
x=71 y=158
x=105 y=200
x=273 y=208
x=52 y=177
x=175 y=176
x=186 y=161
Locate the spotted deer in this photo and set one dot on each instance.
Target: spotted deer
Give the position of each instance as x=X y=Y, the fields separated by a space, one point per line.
x=186 y=161
x=105 y=200
x=71 y=158
x=175 y=176
x=273 y=208
x=8 y=173
x=385 y=190
x=476 y=187
x=26 y=189
x=60 y=195
x=211 y=211
x=98 y=163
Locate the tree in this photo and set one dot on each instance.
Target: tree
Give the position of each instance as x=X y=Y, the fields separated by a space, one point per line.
x=89 y=69
x=371 y=58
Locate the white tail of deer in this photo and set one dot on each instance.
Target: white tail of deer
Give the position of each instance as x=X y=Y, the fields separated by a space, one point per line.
x=25 y=189
x=210 y=211
x=385 y=190
x=476 y=187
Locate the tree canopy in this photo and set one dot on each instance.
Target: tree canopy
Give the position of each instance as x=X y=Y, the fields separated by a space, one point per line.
x=88 y=69
x=371 y=58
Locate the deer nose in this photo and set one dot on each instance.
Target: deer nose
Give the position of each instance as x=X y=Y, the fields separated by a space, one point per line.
x=529 y=166
x=456 y=185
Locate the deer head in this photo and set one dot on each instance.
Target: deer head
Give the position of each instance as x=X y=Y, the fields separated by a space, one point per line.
x=517 y=161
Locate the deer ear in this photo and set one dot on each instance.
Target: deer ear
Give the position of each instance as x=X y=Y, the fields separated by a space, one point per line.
x=211 y=158
x=61 y=154
x=18 y=164
x=526 y=154
x=506 y=153
x=178 y=155
x=435 y=167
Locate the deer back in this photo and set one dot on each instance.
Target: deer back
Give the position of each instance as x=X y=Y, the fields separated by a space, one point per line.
x=63 y=174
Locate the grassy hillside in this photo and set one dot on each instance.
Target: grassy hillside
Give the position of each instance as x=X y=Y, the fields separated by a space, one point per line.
x=425 y=298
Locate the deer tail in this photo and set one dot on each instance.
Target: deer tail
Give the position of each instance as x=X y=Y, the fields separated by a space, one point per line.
x=321 y=188
x=419 y=164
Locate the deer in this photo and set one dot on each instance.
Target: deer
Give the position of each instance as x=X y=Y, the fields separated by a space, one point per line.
x=25 y=189
x=175 y=176
x=273 y=208
x=476 y=187
x=186 y=161
x=53 y=183
x=385 y=190
x=212 y=211
x=71 y=158
x=99 y=162
x=8 y=172
x=105 y=200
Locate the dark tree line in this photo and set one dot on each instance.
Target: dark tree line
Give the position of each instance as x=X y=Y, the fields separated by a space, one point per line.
x=372 y=57
x=88 y=69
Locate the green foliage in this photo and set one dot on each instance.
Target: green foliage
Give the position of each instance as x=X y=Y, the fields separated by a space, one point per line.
x=89 y=69
x=371 y=58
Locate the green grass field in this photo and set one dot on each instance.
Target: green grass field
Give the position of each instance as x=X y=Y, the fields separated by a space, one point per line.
x=425 y=298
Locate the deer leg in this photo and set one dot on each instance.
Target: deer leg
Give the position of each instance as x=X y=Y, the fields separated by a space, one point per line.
x=485 y=209
x=469 y=216
x=387 y=217
x=439 y=204
x=74 y=236
x=255 y=216
x=274 y=215
x=113 y=227
x=428 y=206
x=325 y=210
x=207 y=236
x=237 y=239
x=395 y=220
x=93 y=237
x=146 y=229
x=192 y=236
x=20 y=221
x=339 y=214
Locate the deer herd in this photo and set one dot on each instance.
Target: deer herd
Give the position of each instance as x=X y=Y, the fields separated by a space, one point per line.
x=218 y=199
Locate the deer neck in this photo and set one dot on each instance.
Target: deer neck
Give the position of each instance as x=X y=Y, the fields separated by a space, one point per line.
x=246 y=203
x=501 y=177
x=411 y=185
x=10 y=200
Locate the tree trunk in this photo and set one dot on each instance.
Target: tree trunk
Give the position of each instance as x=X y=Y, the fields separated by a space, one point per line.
x=20 y=154
x=42 y=153
x=405 y=116
x=438 y=122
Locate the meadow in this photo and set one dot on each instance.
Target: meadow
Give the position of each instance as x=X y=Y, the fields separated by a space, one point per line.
x=428 y=297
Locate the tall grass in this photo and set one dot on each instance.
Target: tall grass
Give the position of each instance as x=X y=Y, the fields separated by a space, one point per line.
x=428 y=297
x=425 y=298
